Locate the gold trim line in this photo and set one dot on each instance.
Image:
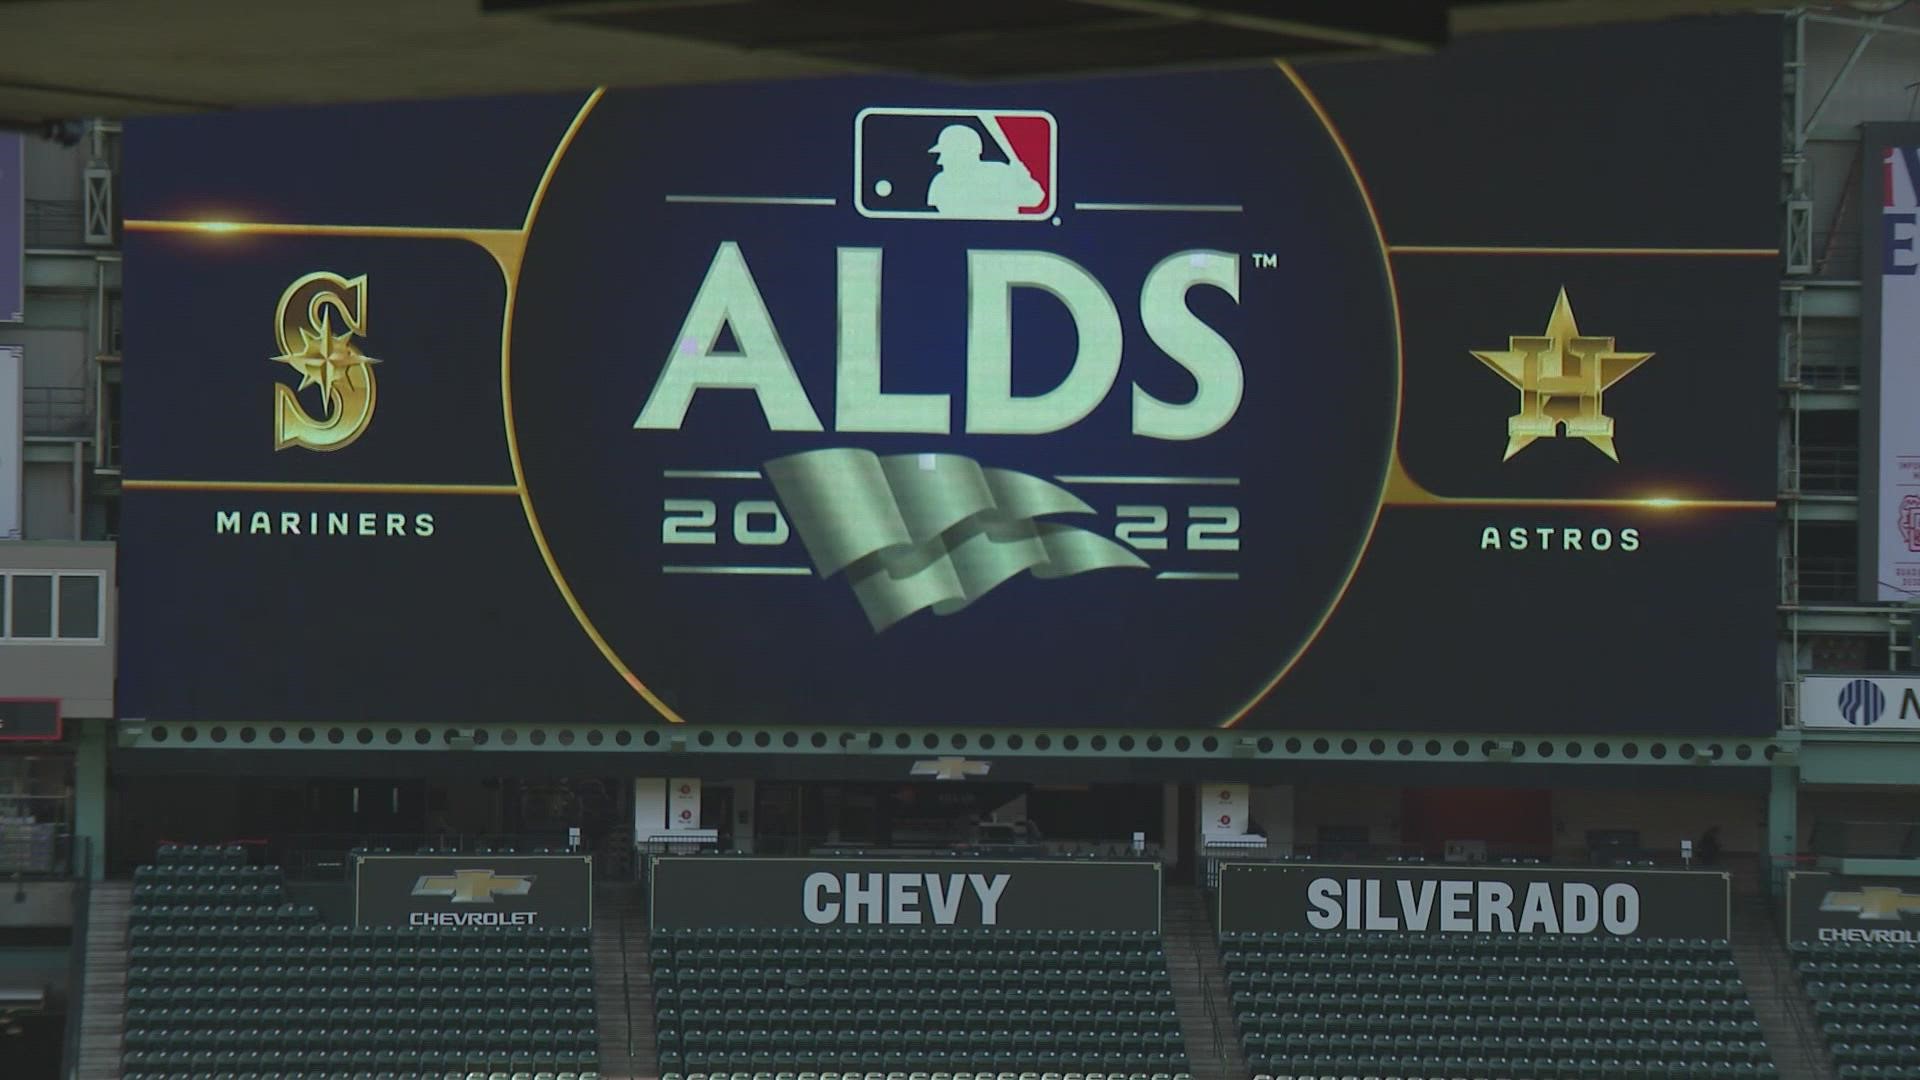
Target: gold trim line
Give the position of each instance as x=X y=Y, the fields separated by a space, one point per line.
x=318 y=487
x=1388 y=474
x=512 y=272
x=1551 y=249
x=268 y=228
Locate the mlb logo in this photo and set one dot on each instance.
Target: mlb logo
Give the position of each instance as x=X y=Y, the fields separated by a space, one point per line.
x=955 y=164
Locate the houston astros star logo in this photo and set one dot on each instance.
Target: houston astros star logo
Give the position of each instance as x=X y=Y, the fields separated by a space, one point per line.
x=1561 y=375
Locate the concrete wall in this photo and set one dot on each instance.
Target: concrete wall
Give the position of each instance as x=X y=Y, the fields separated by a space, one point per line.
x=1663 y=816
x=36 y=904
x=1375 y=806
x=80 y=674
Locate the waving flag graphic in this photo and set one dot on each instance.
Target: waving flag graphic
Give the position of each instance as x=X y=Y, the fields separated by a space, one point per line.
x=914 y=531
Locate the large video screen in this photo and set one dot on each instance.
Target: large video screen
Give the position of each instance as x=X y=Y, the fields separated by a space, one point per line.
x=1427 y=393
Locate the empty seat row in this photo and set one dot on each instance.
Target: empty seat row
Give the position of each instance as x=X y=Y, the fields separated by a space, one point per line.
x=1569 y=1006
x=402 y=977
x=1473 y=944
x=385 y=1074
x=202 y=1065
x=917 y=1019
x=1878 y=991
x=923 y=1063
x=1519 y=986
x=525 y=1041
x=444 y=955
x=186 y=1018
x=914 y=978
x=237 y=996
x=1514 y=1048
x=202 y=855
x=1348 y=1067
x=998 y=1042
x=1466 y=1025
x=944 y=956
x=866 y=997
x=1409 y=963
x=299 y=927
x=790 y=1075
x=1878 y=952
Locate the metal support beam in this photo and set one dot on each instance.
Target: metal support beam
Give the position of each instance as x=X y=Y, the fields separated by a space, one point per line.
x=1783 y=824
x=90 y=791
x=1874 y=23
x=1846 y=69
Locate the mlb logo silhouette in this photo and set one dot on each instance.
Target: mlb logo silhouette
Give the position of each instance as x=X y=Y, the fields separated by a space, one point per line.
x=956 y=164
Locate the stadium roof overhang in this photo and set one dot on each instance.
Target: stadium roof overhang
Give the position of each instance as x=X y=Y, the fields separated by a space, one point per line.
x=62 y=59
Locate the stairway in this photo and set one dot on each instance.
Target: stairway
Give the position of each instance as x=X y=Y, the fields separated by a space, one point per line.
x=623 y=980
x=1212 y=1036
x=103 y=998
x=1786 y=1016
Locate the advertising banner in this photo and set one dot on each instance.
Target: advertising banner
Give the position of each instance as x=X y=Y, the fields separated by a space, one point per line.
x=695 y=892
x=1859 y=702
x=683 y=804
x=1169 y=400
x=1482 y=900
x=1223 y=809
x=13 y=447
x=473 y=890
x=1890 y=359
x=1860 y=911
x=13 y=227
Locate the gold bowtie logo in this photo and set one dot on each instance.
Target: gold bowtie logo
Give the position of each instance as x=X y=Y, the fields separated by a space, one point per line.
x=1561 y=375
x=1873 y=902
x=325 y=357
x=472 y=886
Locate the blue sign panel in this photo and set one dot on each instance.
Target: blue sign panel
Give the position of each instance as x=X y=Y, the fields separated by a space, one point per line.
x=1132 y=402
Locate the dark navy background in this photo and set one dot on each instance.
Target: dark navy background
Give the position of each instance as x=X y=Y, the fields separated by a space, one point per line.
x=1495 y=142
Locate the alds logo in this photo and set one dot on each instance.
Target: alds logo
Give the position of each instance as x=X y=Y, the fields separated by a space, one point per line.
x=473 y=886
x=325 y=357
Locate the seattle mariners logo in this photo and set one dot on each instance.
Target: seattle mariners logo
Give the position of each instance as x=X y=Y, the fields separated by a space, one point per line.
x=1862 y=703
x=326 y=357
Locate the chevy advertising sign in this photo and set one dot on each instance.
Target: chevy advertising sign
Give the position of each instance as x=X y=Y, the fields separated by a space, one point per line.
x=473 y=891
x=695 y=892
x=1165 y=400
x=1460 y=900
x=1890 y=351
x=1831 y=909
x=1860 y=703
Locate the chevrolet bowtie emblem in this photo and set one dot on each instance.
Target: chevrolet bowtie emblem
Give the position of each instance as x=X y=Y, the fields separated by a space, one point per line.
x=472 y=886
x=951 y=768
x=1561 y=375
x=1873 y=902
